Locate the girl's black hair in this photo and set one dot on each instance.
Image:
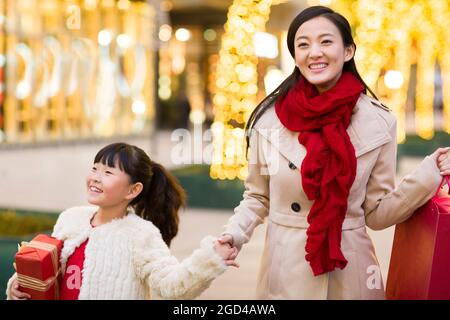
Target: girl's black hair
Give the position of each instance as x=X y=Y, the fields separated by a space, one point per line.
x=309 y=13
x=162 y=194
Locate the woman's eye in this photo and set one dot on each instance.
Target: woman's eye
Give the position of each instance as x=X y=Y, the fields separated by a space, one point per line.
x=302 y=45
x=108 y=172
x=327 y=41
x=94 y=169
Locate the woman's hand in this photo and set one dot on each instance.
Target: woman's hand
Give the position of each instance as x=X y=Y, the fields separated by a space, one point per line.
x=16 y=294
x=228 y=239
x=227 y=253
x=442 y=160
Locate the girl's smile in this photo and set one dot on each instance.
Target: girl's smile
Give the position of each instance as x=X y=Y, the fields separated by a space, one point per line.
x=95 y=189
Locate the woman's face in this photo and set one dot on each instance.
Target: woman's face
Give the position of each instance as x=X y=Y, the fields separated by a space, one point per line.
x=320 y=53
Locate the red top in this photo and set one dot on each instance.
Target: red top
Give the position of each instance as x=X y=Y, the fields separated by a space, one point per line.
x=71 y=284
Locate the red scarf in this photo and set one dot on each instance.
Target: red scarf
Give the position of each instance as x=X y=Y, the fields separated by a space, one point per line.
x=329 y=167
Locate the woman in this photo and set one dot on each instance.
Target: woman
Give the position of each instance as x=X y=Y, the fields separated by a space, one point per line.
x=332 y=172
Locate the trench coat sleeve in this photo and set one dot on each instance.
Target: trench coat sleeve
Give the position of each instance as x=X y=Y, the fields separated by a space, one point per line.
x=385 y=204
x=254 y=206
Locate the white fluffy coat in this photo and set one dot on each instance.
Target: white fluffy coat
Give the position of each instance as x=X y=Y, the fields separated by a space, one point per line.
x=127 y=259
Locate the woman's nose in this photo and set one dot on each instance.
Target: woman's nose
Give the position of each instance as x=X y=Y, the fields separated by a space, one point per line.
x=315 y=51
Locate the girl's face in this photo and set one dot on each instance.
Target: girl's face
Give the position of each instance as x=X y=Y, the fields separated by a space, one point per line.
x=109 y=187
x=320 y=53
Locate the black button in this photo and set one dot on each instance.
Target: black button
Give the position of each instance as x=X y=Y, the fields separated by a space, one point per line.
x=295 y=206
x=292 y=166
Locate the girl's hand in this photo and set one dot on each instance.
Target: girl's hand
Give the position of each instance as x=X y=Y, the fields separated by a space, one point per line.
x=227 y=253
x=16 y=294
x=442 y=160
x=226 y=238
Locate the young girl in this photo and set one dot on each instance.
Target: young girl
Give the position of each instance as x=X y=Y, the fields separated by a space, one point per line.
x=118 y=249
x=331 y=175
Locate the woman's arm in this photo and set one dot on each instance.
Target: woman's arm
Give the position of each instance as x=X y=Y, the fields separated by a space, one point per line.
x=171 y=279
x=385 y=204
x=254 y=206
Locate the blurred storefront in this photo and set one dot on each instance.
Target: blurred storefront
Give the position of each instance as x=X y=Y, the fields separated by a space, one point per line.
x=76 y=69
x=188 y=60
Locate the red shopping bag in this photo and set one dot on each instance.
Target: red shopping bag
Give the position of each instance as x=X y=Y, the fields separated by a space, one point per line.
x=420 y=256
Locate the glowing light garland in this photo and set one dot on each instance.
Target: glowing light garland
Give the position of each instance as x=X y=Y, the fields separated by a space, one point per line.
x=236 y=86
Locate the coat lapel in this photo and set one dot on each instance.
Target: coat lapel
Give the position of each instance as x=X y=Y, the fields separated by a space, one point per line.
x=283 y=140
x=367 y=131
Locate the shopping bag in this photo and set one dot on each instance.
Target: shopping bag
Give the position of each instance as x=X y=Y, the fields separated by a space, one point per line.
x=420 y=259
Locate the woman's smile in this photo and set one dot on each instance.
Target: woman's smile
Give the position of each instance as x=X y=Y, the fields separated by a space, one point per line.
x=317 y=67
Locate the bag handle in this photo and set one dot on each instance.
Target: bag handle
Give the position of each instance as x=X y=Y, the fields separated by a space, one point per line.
x=444 y=178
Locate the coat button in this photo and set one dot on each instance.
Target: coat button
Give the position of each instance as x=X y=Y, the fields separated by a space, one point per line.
x=295 y=206
x=292 y=166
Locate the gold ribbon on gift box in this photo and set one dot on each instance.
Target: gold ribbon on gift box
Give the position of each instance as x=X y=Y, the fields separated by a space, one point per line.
x=38 y=284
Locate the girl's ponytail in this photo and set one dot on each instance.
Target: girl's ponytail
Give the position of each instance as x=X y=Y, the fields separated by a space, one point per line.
x=160 y=201
x=161 y=196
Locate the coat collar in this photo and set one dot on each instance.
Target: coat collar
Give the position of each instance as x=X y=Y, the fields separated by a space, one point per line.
x=74 y=227
x=367 y=131
x=77 y=220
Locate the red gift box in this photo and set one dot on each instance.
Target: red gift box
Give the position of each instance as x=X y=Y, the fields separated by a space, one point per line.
x=38 y=267
x=420 y=256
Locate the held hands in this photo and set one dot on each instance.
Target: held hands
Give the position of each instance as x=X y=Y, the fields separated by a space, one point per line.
x=227 y=239
x=442 y=160
x=16 y=294
x=227 y=252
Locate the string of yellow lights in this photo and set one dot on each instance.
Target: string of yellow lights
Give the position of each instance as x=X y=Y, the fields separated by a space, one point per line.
x=236 y=86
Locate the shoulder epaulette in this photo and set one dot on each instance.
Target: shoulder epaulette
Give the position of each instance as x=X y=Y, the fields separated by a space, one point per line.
x=380 y=105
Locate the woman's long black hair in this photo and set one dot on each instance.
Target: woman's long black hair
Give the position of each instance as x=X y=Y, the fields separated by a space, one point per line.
x=309 y=13
x=161 y=196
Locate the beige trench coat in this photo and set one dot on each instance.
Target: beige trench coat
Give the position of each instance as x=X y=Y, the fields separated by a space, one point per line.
x=274 y=191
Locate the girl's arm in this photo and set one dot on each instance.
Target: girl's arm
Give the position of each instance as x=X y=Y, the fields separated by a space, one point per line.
x=171 y=279
x=385 y=204
x=254 y=206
